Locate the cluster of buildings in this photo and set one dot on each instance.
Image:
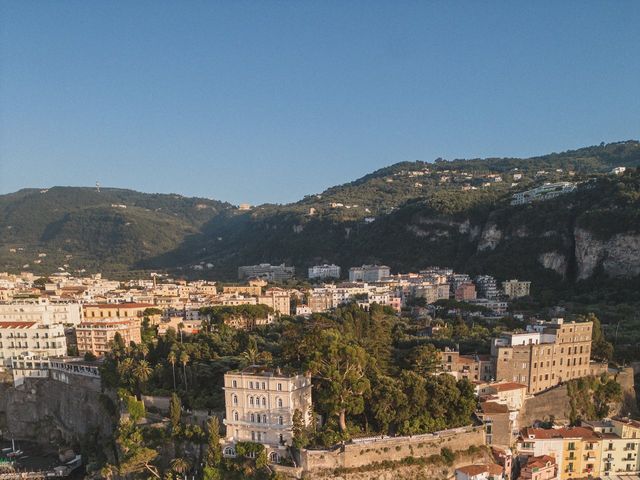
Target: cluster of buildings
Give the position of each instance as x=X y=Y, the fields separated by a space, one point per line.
x=543 y=192
x=84 y=315
x=596 y=449
x=543 y=356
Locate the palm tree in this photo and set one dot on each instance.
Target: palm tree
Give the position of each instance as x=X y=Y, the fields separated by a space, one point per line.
x=184 y=359
x=251 y=355
x=142 y=373
x=180 y=465
x=144 y=350
x=172 y=360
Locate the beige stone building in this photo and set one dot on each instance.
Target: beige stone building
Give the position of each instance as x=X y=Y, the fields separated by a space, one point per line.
x=516 y=288
x=545 y=355
x=115 y=310
x=277 y=298
x=259 y=407
x=472 y=367
x=253 y=288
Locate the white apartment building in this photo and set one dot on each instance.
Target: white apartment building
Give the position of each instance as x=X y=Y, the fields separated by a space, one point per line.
x=543 y=192
x=41 y=310
x=27 y=338
x=324 y=271
x=266 y=271
x=260 y=404
x=368 y=273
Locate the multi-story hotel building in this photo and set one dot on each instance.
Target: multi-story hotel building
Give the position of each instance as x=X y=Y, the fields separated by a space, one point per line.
x=260 y=404
x=324 y=271
x=95 y=335
x=368 y=273
x=41 y=310
x=545 y=355
x=266 y=271
x=277 y=298
x=30 y=338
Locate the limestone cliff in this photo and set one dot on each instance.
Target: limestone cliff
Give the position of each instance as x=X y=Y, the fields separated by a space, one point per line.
x=50 y=412
x=619 y=255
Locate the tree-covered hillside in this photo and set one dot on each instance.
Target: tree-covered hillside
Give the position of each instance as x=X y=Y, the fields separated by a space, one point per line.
x=84 y=228
x=408 y=215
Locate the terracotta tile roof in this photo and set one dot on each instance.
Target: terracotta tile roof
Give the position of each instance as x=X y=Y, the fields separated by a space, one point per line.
x=503 y=387
x=564 y=432
x=473 y=470
x=493 y=407
x=17 y=324
x=540 y=461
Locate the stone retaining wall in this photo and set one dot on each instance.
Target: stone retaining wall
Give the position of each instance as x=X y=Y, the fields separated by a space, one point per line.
x=378 y=449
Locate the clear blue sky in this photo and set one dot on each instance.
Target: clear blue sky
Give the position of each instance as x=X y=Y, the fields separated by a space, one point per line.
x=266 y=101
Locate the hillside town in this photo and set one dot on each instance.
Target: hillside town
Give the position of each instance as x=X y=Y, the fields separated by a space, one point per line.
x=62 y=328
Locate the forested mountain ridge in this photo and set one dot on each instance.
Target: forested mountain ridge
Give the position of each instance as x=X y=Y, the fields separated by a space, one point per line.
x=409 y=215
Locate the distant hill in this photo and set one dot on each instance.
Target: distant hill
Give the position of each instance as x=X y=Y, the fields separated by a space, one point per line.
x=408 y=215
x=110 y=230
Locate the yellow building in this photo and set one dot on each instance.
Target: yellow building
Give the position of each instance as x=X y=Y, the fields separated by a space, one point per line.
x=576 y=449
x=620 y=452
x=115 y=310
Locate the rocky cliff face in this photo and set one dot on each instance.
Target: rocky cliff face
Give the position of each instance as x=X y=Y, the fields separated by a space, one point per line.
x=619 y=255
x=51 y=412
x=555 y=261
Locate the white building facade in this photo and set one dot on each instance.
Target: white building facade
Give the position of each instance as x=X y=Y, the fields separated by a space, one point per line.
x=260 y=405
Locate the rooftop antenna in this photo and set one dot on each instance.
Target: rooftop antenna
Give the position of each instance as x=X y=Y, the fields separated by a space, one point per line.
x=98 y=187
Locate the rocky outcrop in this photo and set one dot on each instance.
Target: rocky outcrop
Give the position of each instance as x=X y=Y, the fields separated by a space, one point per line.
x=555 y=261
x=50 y=412
x=490 y=237
x=619 y=255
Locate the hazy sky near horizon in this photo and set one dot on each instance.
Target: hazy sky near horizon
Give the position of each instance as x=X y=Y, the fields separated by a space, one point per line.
x=265 y=101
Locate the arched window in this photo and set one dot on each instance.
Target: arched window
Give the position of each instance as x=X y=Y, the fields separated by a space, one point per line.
x=234 y=399
x=279 y=403
x=235 y=416
x=264 y=418
x=274 y=457
x=264 y=401
x=258 y=418
x=253 y=417
x=234 y=383
x=250 y=384
x=280 y=420
x=250 y=400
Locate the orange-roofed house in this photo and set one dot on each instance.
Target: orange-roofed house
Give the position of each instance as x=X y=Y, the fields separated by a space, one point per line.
x=539 y=468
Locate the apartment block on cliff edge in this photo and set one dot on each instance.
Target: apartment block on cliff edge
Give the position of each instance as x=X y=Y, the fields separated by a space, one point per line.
x=544 y=355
